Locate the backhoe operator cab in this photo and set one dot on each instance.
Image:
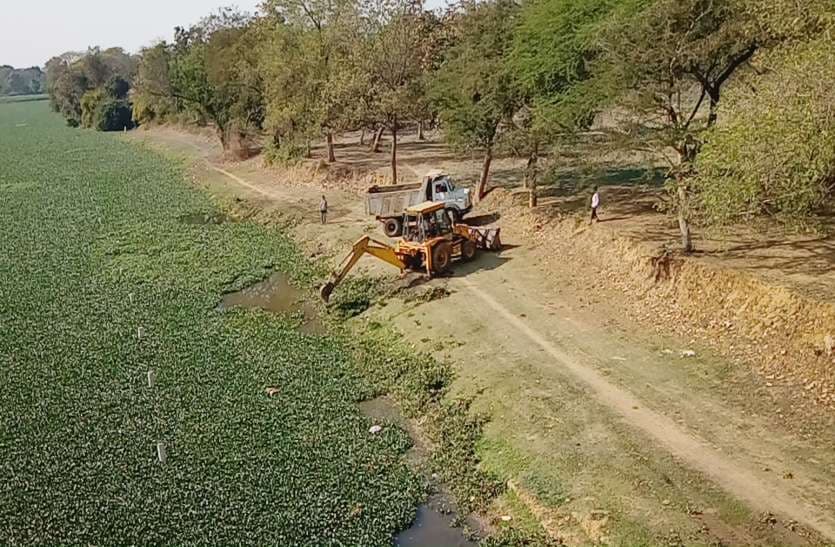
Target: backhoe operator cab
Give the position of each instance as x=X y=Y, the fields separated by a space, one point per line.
x=422 y=225
x=431 y=240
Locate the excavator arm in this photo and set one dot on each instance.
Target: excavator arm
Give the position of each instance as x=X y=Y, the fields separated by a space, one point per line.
x=364 y=245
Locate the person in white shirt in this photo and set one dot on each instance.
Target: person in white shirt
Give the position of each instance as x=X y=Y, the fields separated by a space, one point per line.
x=595 y=204
x=323 y=209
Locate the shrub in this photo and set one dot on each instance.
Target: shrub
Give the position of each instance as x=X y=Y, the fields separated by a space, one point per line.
x=290 y=152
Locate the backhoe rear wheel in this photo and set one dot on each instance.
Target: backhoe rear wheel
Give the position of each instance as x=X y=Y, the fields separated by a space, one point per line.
x=441 y=255
x=468 y=249
x=393 y=227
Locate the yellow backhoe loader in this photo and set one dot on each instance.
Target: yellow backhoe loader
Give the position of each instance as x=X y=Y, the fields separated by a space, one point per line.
x=430 y=241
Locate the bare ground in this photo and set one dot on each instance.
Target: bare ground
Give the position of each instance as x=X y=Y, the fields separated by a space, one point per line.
x=604 y=425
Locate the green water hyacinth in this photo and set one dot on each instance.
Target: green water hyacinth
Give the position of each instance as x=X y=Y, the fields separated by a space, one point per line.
x=103 y=281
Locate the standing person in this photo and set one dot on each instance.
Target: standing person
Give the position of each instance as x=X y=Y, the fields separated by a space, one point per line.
x=595 y=204
x=323 y=210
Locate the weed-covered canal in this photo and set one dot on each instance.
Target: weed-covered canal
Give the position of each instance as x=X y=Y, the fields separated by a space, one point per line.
x=104 y=281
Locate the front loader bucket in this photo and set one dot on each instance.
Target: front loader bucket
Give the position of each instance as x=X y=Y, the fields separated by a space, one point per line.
x=326 y=290
x=488 y=239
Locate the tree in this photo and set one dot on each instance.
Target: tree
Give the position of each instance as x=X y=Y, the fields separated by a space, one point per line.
x=18 y=84
x=66 y=93
x=72 y=78
x=474 y=91
x=775 y=153
x=398 y=50
x=106 y=108
x=152 y=99
x=210 y=70
x=664 y=62
x=551 y=59
x=117 y=87
x=312 y=83
x=25 y=81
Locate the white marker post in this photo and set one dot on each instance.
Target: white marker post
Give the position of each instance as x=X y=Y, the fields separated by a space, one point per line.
x=161 y=455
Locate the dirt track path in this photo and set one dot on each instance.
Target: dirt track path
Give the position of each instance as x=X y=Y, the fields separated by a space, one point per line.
x=735 y=477
x=653 y=434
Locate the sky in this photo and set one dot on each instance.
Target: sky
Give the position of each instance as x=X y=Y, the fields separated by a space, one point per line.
x=32 y=31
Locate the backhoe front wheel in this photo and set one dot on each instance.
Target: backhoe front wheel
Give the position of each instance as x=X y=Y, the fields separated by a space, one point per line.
x=441 y=255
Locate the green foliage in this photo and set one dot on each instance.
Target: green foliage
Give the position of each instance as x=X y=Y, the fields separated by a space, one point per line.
x=114 y=115
x=309 y=63
x=79 y=85
x=208 y=72
x=90 y=102
x=104 y=110
x=152 y=98
x=26 y=81
x=79 y=461
x=291 y=152
x=117 y=87
x=473 y=90
x=775 y=153
x=553 y=51
x=354 y=296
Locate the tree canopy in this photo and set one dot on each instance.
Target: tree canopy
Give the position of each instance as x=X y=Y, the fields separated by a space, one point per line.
x=24 y=81
x=775 y=153
x=693 y=82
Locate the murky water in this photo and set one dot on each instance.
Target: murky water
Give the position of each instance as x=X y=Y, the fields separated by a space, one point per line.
x=432 y=528
x=433 y=524
x=276 y=294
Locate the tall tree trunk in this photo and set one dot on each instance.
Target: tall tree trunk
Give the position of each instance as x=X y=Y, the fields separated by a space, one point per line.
x=714 y=104
x=362 y=137
x=223 y=136
x=481 y=188
x=420 y=132
x=331 y=155
x=307 y=151
x=394 y=152
x=530 y=177
x=375 y=147
x=683 y=223
x=687 y=151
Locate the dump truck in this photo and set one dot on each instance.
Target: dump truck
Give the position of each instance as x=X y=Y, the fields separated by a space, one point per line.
x=388 y=203
x=431 y=239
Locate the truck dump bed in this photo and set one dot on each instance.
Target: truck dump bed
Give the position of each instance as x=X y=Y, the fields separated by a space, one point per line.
x=389 y=201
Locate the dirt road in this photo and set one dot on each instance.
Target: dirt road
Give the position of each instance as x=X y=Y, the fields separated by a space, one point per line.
x=608 y=433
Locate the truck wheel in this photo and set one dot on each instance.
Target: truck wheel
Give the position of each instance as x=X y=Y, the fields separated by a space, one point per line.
x=468 y=249
x=392 y=227
x=440 y=257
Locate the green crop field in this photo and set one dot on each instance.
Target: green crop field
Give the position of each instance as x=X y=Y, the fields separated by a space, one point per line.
x=103 y=281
